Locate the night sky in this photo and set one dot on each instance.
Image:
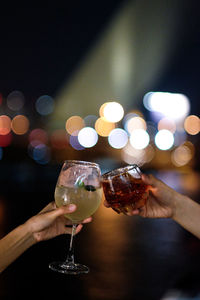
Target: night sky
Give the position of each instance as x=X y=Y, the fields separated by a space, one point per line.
x=42 y=46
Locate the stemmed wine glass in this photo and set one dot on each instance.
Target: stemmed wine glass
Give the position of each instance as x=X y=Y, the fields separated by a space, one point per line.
x=79 y=182
x=124 y=189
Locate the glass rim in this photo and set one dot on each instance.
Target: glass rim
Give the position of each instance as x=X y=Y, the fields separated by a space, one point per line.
x=81 y=162
x=121 y=170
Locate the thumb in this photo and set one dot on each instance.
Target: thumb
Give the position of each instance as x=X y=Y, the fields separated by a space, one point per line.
x=149 y=179
x=65 y=209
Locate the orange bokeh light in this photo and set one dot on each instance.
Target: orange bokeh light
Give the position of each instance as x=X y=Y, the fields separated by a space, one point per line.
x=192 y=124
x=5 y=124
x=104 y=127
x=20 y=124
x=74 y=124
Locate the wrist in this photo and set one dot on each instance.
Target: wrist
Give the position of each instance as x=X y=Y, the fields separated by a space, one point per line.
x=179 y=204
x=27 y=228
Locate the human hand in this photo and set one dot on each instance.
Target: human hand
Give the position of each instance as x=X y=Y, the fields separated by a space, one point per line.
x=161 y=200
x=50 y=222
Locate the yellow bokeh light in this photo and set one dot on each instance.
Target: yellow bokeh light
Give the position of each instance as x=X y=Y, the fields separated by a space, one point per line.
x=192 y=125
x=20 y=124
x=5 y=125
x=101 y=110
x=74 y=124
x=103 y=127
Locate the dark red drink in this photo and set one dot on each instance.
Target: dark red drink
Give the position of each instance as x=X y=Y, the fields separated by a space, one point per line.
x=124 y=189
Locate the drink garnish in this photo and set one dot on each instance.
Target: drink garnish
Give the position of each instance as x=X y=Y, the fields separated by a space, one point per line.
x=90 y=188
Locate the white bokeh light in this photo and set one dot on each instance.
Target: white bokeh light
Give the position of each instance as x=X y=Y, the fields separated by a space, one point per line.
x=118 y=138
x=139 y=139
x=87 y=137
x=164 y=139
x=173 y=105
x=113 y=112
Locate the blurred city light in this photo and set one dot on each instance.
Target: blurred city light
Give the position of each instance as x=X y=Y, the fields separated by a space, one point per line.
x=166 y=123
x=137 y=156
x=5 y=124
x=74 y=124
x=44 y=105
x=73 y=140
x=164 y=139
x=192 y=125
x=15 y=100
x=172 y=105
x=118 y=138
x=39 y=135
x=5 y=140
x=113 y=112
x=139 y=139
x=133 y=123
x=87 y=137
x=41 y=154
x=59 y=139
x=181 y=155
x=103 y=127
x=20 y=124
x=90 y=120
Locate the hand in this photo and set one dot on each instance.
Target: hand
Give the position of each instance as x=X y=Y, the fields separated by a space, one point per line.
x=161 y=200
x=51 y=222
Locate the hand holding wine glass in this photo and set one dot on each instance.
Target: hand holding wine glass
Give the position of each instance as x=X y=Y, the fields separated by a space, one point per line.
x=79 y=182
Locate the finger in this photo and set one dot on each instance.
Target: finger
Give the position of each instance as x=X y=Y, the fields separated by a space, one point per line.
x=65 y=209
x=134 y=212
x=106 y=204
x=88 y=220
x=149 y=179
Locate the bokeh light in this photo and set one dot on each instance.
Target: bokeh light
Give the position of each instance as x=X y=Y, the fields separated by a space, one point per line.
x=137 y=156
x=5 y=140
x=74 y=124
x=90 y=120
x=113 y=112
x=5 y=124
x=20 y=124
x=164 y=139
x=40 y=153
x=103 y=127
x=173 y=105
x=192 y=125
x=118 y=138
x=39 y=135
x=15 y=100
x=59 y=139
x=166 y=123
x=139 y=139
x=73 y=140
x=44 y=105
x=87 y=137
x=181 y=155
x=135 y=123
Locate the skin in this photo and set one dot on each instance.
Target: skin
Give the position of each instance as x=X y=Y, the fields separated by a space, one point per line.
x=165 y=202
x=47 y=224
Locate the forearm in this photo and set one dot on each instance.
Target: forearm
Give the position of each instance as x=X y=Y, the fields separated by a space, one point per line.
x=14 y=244
x=187 y=214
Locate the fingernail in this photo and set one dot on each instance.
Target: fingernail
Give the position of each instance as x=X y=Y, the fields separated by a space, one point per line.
x=71 y=207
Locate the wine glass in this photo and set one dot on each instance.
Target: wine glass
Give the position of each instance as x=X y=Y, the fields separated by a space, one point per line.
x=124 y=189
x=79 y=182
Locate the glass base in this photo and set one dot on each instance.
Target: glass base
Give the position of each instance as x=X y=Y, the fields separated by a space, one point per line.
x=68 y=268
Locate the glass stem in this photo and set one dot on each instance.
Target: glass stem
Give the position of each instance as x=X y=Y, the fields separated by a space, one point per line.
x=70 y=255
